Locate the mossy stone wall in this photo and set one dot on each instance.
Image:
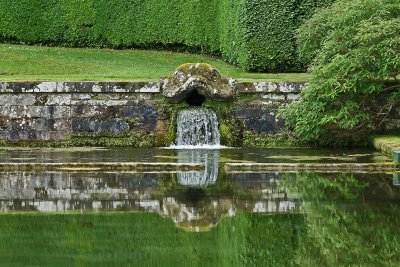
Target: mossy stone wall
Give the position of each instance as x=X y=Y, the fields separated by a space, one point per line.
x=129 y=114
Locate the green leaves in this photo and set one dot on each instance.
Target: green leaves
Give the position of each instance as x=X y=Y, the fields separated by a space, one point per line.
x=354 y=49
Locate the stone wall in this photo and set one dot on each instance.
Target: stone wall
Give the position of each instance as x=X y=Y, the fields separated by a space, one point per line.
x=54 y=111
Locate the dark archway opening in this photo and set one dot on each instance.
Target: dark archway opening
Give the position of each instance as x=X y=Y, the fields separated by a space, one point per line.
x=194 y=99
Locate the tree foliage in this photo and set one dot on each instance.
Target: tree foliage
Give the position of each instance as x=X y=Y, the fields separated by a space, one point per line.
x=354 y=51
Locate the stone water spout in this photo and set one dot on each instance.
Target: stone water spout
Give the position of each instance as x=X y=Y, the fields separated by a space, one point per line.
x=200 y=77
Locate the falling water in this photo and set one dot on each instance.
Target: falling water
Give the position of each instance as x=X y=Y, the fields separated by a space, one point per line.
x=197 y=127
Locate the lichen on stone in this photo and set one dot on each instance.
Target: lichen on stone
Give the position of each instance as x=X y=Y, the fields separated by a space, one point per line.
x=197 y=76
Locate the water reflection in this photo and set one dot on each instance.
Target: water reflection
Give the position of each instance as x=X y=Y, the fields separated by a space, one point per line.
x=210 y=159
x=396 y=179
x=254 y=219
x=191 y=206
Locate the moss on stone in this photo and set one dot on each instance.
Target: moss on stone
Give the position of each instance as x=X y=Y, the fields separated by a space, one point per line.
x=170 y=136
x=168 y=111
x=199 y=69
x=142 y=140
x=226 y=134
x=100 y=96
x=230 y=128
x=386 y=143
x=284 y=139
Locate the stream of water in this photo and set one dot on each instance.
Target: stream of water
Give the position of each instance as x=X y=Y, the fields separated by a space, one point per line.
x=197 y=128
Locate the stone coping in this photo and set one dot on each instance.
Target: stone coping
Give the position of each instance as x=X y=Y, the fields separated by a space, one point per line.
x=384 y=167
x=389 y=145
x=137 y=87
x=147 y=167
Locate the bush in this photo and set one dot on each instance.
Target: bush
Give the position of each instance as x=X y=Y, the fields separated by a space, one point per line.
x=354 y=47
x=257 y=35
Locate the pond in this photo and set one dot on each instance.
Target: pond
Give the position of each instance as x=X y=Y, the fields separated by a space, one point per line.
x=203 y=218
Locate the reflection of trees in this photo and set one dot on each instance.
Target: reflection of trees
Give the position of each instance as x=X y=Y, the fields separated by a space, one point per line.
x=346 y=223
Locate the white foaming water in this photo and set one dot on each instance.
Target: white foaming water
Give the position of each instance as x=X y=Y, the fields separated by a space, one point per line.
x=199 y=147
x=197 y=128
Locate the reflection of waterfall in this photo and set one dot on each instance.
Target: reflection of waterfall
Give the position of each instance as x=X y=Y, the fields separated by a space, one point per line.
x=209 y=158
x=197 y=127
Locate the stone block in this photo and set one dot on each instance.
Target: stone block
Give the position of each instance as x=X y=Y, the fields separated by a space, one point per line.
x=45 y=124
x=245 y=87
x=18 y=132
x=59 y=135
x=250 y=113
x=4 y=87
x=145 y=111
x=292 y=87
x=117 y=126
x=260 y=120
x=78 y=96
x=151 y=87
x=268 y=124
x=59 y=100
x=275 y=97
x=293 y=97
x=266 y=87
x=17 y=99
x=45 y=87
x=51 y=112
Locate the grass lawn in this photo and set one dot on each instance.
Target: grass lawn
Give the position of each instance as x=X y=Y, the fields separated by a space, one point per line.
x=36 y=63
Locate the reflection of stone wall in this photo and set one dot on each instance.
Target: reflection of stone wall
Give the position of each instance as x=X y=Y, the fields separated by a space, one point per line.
x=67 y=192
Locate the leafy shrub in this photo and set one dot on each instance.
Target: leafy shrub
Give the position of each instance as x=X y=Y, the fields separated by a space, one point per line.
x=354 y=47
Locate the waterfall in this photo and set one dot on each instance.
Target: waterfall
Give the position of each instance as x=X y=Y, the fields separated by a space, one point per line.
x=197 y=127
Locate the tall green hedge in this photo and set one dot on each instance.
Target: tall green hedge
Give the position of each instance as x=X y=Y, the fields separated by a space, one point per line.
x=258 y=35
x=270 y=33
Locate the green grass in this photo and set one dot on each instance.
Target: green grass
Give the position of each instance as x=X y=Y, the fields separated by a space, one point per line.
x=37 y=63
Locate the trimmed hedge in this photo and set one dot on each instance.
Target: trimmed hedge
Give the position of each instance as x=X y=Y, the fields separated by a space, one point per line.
x=270 y=33
x=257 y=35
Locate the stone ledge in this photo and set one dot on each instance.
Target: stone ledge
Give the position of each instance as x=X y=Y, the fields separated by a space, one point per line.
x=79 y=87
x=139 y=87
x=90 y=167
x=384 y=167
x=387 y=145
x=271 y=87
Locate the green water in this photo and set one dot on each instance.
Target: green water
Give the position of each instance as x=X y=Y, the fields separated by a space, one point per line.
x=171 y=155
x=241 y=219
x=145 y=239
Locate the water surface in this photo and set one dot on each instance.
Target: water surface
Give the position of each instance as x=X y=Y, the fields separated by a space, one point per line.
x=209 y=218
